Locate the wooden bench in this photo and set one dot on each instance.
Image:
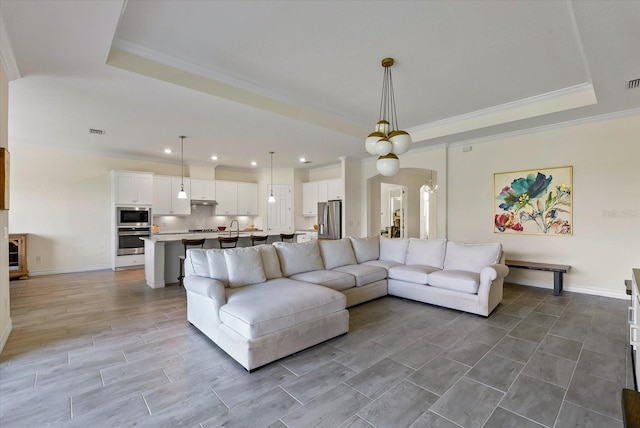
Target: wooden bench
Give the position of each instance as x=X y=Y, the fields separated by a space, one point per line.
x=557 y=270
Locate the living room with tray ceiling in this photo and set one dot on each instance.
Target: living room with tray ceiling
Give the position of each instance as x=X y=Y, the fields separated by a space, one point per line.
x=481 y=87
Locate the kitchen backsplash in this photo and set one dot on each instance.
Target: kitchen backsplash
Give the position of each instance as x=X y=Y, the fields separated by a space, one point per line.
x=202 y=218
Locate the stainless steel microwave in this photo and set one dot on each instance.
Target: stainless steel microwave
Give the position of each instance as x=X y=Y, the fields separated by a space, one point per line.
x=133 y=216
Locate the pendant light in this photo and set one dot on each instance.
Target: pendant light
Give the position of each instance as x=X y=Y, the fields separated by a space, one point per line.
x=182 y=194
x=387 y=141
x=272 y=199
x=431 y=186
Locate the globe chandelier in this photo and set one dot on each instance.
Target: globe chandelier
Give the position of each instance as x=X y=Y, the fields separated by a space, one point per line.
x=387 y=141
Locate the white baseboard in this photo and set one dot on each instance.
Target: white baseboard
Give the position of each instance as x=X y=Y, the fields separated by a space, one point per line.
x=73 y=269
x=622 y=294
x=5 y=335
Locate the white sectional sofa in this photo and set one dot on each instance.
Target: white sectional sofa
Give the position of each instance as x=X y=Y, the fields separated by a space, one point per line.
x=262 y=303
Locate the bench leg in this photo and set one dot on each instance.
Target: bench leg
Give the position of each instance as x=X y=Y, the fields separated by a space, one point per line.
x=557 y=283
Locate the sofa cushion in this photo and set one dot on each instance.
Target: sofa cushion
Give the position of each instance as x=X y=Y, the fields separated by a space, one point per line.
x=426 y=252
x=412 y=273
x=328 y=278
x=366 y=249
x=393 y=249
x=363 y=274
x=386 y=264
x=196 y=262
x=298 y=257
x=471 y=257
x=456 y=280
x=218 y=266
x=335 y=253
x=270 y=261
x=244 y=266
x=282 y=303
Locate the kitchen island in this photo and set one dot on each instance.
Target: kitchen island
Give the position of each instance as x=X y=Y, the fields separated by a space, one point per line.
x=162 y=252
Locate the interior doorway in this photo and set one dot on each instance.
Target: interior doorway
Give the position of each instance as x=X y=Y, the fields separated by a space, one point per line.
x=279 y=213
x=392 y=210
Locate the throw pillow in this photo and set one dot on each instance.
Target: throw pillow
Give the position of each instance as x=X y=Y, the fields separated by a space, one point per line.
x=426 y=252
x=244 y=266
x=298 y=257
x=217 y=266
x=366 y=249
x=270 y=261
x=393 y=249
x=336 y=253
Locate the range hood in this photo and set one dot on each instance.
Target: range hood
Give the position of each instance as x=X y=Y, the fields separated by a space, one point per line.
x=203 y=202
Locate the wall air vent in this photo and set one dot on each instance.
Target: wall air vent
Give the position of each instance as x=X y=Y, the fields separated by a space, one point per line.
x=633 y=84
x=97 y=131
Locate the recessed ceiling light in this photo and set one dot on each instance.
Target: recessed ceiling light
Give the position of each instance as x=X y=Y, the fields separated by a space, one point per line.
x=303 y=160
x=254 y=163
x=167 y=151
x=214 y=157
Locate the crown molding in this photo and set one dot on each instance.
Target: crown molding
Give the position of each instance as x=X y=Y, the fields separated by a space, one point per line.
x=7 y=58
x=538 y=105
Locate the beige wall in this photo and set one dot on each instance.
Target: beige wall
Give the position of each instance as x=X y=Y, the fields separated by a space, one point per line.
x=604 y=155
x=5 y=315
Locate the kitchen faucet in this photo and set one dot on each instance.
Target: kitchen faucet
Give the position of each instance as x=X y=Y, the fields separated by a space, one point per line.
x=237 y=227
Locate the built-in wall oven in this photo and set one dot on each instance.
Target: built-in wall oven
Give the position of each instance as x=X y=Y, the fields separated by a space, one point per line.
x=132 y=223
x=129 y=241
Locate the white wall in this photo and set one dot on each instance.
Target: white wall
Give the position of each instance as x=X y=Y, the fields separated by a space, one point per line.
x=606 y=197
x=5 y=315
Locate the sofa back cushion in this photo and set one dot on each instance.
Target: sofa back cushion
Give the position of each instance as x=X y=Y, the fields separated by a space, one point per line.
x=426 y=252
x=270 y=261
x=217 y=266
x=471 y=257
x=366 y=249
x=298 y=257
x=244 y=266
x=196 y=263
x=336 y=253
x=393 y=249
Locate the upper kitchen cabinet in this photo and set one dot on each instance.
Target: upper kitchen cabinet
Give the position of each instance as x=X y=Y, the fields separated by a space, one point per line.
x=203 y=190
x=248 y=199
x=310 y=198
x=334 y=189
x=132 y=188
x=165 y=196
x=227 y=198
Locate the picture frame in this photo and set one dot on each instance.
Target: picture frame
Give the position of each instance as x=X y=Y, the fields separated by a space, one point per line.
x=534 y=202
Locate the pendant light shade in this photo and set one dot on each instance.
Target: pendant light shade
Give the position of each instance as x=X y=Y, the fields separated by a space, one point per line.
x=182 y=194
x=388 y=165
x=387 y=141
x=272 y=199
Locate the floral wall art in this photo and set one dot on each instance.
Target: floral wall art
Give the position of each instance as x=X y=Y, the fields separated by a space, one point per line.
x=535 y=202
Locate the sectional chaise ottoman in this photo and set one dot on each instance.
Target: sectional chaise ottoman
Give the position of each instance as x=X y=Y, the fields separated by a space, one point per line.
x=262 y=303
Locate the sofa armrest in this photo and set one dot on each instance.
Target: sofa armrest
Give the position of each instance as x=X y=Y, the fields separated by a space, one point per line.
x=207 y=287
x=492 y=272
x=491 y=285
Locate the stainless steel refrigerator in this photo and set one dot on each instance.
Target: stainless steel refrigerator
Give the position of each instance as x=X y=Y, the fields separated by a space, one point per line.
x=330 y=220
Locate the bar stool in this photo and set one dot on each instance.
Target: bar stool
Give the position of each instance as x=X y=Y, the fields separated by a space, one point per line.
x=284 y=237
x=188 y=243
x=228 y=241
x=258 y=239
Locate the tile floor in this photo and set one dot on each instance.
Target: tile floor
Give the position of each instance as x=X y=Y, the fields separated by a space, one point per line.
x=102 y=349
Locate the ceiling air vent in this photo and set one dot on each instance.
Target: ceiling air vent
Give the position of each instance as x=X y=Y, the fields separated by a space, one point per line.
x=96 y=131
x=635 y=83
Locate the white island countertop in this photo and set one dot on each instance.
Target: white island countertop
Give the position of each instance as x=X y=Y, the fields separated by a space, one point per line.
x=169 y=237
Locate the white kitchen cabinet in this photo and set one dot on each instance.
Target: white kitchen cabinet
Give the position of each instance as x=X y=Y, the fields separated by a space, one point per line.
x=334 y=189
x=227 y=198
x=203 y=190
x=247 y=199
x=310 y=198
x=306 y=236
x=165 y=196
x=132 y=188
